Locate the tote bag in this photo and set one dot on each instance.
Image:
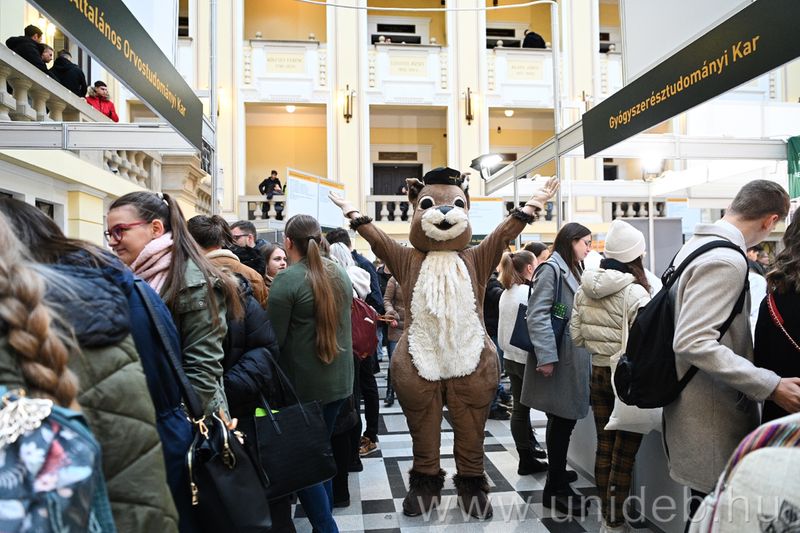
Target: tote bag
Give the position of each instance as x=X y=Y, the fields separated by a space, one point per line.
x=519 y=335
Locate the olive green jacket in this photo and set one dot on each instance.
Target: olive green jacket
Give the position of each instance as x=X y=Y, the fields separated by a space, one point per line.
x=291 y=311
x=201 y=339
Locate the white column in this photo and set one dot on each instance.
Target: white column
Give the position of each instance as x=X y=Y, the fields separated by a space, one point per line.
x=12 y=18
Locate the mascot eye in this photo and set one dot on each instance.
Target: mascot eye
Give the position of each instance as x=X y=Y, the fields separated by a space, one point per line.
x=459 y=203
x=426 y=203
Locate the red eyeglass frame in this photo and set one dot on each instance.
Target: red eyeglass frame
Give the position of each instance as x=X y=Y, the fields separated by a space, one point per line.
x=119 y=230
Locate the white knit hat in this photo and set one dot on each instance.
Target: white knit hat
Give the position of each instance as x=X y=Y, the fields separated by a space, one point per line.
x=624 y=242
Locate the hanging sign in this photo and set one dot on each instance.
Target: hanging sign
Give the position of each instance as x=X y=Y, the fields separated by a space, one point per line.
x=759 y=38
x=110 y=32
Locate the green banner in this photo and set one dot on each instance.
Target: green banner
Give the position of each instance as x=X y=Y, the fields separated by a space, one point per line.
x=793 y=156
x=110 y=32
x=757 y=39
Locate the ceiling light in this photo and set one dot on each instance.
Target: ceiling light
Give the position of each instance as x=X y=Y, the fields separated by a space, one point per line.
x=509 y=113
x=290 y=109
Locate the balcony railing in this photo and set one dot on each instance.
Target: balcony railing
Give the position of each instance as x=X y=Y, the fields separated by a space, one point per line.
x=257 y=207
x=408 y=74
x=629 y=208
x=397 y=208
x=519 y=77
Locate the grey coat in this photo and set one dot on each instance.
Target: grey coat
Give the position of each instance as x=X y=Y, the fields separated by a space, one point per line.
x=566 y=392
x=719 y=406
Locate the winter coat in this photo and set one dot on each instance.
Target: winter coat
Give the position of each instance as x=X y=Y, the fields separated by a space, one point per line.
x=719 y=406
x=375 y=297
x=27 y=49
x=566 y=392
x=201 y=340
x=509 y=306
x=394 y=304
x=250 y=257
x=491 y=304
x=113 y=396
x=773 y=350
x=69 y=75
x=599 y=309
x=250 y=351
x=227 y=260
x=103 y=105
x=294 y=320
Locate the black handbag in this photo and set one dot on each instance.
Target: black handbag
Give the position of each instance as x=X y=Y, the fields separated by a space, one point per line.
x=228 y=486
x=293 y=444
x=520 y=338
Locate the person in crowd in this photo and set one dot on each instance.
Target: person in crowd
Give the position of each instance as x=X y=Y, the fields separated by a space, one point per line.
x=758 y=290
x=752 y=259
x=69 y=74
x=368 y=367
x=310 y=314
x=275 y=258
x=557 y=376
x=777 y=337
x=246 y=246
x=148 y=233
x=764 y=259
x=26 y=46
x=516 y=272
x=46 y=51
x=607 y=298
x=270 y=187
x=48 y=245
x=112 y=386
x=719 y=405
x=539 y=249
x=395 y=305
x=491 y=303
x=533 y=40
x=212 y=234
x=251 y=349
x=97 y=96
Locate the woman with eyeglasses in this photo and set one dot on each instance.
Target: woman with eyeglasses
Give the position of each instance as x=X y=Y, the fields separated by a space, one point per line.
x=148 y=233
x=557 y=374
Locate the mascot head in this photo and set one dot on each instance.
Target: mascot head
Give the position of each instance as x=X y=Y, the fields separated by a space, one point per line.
x=441 y=211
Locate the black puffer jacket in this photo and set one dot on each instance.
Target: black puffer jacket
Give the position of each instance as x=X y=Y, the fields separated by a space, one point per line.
x=251 y=257
x=114 y=397
x=27 y=49
x=251 y=350
x=491 y=305
x=70 y=76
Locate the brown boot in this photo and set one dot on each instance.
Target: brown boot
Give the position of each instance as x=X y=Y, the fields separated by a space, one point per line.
x=473 y=495
x=424 y=492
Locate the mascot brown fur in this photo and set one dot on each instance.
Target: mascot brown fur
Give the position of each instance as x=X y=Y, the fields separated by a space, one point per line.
x=445 y=356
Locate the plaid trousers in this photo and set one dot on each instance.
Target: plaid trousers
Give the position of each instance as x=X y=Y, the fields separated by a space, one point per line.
x=616 y=450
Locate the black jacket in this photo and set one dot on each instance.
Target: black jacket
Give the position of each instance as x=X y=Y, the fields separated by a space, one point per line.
x=251 y=350
x=27 y=49
x=251 y=257
x=69 y=75
x=533 y=40
x=491 y=304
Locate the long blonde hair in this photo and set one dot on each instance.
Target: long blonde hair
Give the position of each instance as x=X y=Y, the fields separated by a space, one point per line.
x=41 y=349
x=306 y=236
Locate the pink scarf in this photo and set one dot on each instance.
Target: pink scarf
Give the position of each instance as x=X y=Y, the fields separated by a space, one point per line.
x=153 y=261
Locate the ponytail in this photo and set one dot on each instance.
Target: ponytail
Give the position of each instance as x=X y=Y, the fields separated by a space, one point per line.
x=306 y=236
x=512 y=265
x=41 y=350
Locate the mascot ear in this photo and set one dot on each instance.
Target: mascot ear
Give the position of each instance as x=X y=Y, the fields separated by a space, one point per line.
x=414 y=187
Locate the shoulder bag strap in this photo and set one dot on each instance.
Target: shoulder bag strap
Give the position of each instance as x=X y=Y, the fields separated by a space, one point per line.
x=189 y=394
x=557 y=270
x=777 y=319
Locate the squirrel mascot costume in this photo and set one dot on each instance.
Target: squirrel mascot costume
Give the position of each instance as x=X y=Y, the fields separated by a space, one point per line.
x=445 y=356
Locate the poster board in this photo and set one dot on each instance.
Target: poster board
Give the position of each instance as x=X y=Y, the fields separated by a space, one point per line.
x=307 y=194
x=485 y=213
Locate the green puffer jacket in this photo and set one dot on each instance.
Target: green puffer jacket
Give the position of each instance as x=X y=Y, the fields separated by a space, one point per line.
x=113 y=396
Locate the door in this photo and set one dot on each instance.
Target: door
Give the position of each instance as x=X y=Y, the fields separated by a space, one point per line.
x=387 y=179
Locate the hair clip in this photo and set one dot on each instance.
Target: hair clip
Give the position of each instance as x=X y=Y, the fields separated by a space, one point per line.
x=162 y=198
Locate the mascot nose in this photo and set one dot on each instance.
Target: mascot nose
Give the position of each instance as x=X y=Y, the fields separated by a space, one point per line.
x=444 y=209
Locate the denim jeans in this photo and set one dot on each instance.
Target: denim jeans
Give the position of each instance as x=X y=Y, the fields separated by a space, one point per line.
x=317 y=500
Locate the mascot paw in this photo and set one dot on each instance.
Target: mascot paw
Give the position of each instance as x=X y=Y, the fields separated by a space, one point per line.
x=473 y=495
x=424 y=492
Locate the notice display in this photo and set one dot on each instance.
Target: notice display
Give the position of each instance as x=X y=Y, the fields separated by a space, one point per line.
x=307 y=194
x=485 y=214
x=759 y=38
x=110 y=32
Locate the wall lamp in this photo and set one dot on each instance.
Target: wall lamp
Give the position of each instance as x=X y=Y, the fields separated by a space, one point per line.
x=468 y=106
x=486 y=164
x=347 y=112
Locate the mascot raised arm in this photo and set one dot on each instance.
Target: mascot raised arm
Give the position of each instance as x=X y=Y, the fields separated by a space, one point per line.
x=445 y=356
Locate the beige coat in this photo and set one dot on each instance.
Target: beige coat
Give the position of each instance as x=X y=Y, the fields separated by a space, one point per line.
x=394 y=303
x=719 y=406
x=600 y=305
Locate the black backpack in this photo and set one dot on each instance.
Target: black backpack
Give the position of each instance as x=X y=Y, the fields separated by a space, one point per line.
x=646 y=375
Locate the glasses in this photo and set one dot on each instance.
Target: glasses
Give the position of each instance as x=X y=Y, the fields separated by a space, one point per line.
x=237 y=237
x=119 y=230
x=587 y=242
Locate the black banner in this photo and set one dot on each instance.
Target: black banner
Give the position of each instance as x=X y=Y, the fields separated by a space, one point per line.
x=759 y=38
x=108 y=30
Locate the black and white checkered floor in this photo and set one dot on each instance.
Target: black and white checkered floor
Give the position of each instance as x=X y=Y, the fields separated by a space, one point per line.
x=376 y=494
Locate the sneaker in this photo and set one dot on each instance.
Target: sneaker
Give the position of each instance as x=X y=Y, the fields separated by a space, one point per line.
x=367 y=447
x=499 y=413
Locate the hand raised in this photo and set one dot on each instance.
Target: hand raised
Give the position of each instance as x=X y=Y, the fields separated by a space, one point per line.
x=545 y=193
x=341 y=203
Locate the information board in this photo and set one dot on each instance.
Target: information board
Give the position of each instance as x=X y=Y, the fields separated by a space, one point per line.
x=307 y=194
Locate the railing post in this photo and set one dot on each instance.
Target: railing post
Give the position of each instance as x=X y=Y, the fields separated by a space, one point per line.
x=23 y=110
x=7 y=102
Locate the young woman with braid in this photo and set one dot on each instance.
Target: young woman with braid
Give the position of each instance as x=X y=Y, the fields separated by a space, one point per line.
x=309 y=306
x=89 y=353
